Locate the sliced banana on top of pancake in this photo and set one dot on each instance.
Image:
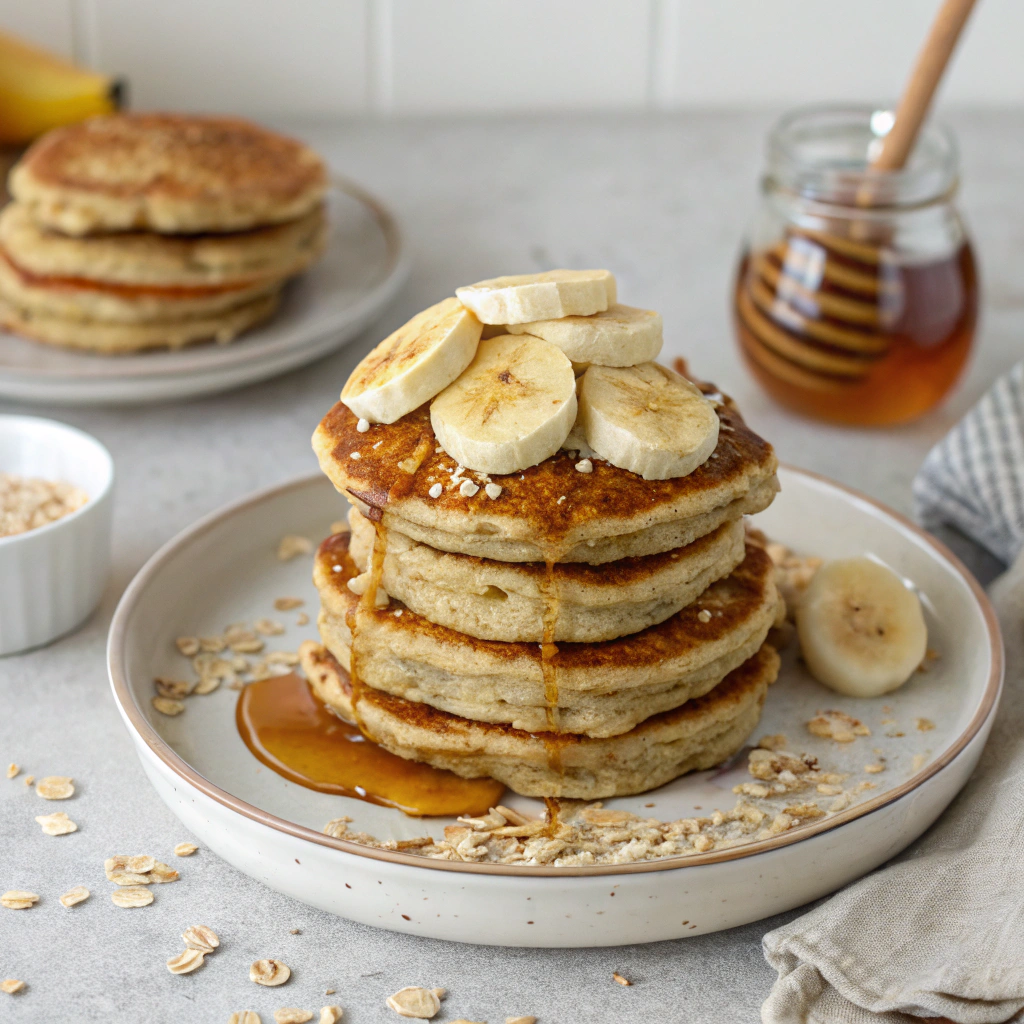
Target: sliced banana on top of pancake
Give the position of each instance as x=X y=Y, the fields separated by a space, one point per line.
x=862 y=631
x=619 y=336
x=647 y=419
x=412 y=365
x=512 y=408
x=525 y=298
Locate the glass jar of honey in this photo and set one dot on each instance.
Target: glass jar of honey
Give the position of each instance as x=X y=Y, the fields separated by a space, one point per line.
x=857 y=295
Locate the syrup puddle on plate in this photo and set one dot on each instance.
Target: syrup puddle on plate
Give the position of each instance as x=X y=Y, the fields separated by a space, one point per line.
x=287 y=728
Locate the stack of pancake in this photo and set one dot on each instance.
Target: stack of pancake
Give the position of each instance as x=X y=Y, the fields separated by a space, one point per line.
x=140 y=231
x=570 y=629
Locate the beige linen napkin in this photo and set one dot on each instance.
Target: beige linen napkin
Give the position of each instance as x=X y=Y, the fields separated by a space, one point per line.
x=939 y=932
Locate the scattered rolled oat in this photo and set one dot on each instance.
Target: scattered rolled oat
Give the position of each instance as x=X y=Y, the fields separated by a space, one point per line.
x=172 y=689
x=167 y=706
x=292 y=1015
x=921 y=724
x=520 y=1020
x=918 y=762
x=775 y=741
x=58 y=824
x=77 y=895
x=198 y=936
x=291 y=545
x=12 y=770
x=874 y=769
x=413 y=1001
x=138 y=870
x=11 y=986
x=286 y=604
x=268 y=627
x=302 y=619
x=55 y=787
x=188 y=645
x=18 y=899
x=131 y=897
x=838 y=726
x=269 y=972
x=245 y=1017
x=29 y=779
x=187 y=960
x=185 y=849
x=330 y=1014
x=619 y=979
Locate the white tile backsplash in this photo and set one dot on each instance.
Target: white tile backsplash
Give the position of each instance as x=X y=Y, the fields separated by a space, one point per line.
x=255 y=57
x=480 y=55
x=331 y=57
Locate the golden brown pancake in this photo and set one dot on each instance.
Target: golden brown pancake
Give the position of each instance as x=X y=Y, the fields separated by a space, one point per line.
x=110 y=338
x=79 y=299
x=597 y=689
x=169 y=261
x=700 y=734
x=510 y=600
x=549 y=512
x=169 y=173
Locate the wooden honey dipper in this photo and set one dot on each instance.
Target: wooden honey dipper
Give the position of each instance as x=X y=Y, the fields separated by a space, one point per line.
x=814 y=307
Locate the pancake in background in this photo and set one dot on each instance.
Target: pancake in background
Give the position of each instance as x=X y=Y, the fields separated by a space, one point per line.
x=168 y=173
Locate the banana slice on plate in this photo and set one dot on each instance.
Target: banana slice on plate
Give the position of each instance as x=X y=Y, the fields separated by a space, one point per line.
x=526 y=298
x=620 y=336
x=861 y=630
x=647 y=419
x=412 y=365
x=512 y=408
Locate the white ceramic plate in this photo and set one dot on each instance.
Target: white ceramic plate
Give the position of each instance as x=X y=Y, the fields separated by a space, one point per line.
x=224 y=569
x=364 y=266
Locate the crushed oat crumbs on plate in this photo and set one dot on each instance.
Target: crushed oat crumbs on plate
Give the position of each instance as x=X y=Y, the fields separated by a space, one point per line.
x=292 y=545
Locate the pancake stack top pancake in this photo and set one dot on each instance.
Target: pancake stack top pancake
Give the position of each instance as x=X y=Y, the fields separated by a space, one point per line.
x=140 y=231
x=546 y=578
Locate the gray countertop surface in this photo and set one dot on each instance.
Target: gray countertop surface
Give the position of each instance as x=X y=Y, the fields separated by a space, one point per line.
x=663 y=201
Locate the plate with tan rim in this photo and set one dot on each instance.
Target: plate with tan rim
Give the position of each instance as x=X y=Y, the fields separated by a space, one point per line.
x=361 y=271
x=924 y=741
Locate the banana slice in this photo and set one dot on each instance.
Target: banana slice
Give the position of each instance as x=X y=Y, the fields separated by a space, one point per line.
x=526 y=298
x=620 y=336
x=647 y=419
x=415 y=363
x=861 y=630
x=511 y=409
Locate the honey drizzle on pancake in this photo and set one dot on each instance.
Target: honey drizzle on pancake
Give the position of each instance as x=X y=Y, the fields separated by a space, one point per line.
x=292 y=732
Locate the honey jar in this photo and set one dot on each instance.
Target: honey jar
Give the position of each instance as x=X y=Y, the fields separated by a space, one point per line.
x=856 y=296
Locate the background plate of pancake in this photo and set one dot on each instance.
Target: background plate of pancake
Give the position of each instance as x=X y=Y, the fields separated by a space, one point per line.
x=157 y=256
x=226 y=569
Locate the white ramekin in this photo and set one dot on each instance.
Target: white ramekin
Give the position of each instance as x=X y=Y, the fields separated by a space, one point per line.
x=52 y=578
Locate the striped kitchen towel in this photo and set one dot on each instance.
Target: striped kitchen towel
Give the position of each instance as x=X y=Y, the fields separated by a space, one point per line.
x=974 y=478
